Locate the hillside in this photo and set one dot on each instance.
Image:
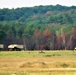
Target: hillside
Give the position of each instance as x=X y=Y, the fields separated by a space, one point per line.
x=52 y=14
x=16 y=24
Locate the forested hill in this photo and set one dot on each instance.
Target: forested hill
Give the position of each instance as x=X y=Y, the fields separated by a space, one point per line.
x=23 y=22
x=52 y=14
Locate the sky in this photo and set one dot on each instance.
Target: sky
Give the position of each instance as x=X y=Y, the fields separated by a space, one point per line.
x=30 y=3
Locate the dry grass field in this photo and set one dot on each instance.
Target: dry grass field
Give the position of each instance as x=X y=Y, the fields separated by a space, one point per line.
x=35 y=63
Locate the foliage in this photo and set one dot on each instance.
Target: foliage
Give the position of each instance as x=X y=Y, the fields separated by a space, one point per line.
x=21 y=23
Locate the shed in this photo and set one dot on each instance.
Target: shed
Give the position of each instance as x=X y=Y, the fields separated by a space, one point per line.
x=75 y=48
x=1 y=47
x=15 y=47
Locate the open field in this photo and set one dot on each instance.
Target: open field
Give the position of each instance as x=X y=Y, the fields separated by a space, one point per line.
x=35 y=63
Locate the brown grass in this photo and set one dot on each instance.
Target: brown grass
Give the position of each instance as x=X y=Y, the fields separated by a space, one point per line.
x=35 y=64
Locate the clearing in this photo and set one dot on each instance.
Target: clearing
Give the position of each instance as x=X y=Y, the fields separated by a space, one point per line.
x=35 y=63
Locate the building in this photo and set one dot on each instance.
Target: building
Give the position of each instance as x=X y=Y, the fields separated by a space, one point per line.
x=15 y=47
x=1 y=46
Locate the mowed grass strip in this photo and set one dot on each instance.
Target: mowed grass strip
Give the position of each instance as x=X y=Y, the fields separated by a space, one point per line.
x=39 y=73
x=37 y=53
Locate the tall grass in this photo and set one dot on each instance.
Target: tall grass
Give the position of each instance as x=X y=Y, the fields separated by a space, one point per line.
x=36 y=63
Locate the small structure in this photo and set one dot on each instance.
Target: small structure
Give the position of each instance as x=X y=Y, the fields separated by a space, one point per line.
x=16 y=47
x=75 y=48
x=1 y=46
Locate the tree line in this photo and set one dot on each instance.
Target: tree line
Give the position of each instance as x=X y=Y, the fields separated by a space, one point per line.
x=51 y=41
x=42 y=40
x=40 y=27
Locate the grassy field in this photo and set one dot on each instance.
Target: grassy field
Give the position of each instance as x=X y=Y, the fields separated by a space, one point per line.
x=36 y=63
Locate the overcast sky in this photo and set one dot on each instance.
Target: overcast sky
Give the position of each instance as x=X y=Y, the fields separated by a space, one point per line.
x=30 y=3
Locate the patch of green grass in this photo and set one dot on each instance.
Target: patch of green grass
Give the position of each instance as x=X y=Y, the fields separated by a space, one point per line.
x=40 y=73
x=64 y=65
x=37 y=54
